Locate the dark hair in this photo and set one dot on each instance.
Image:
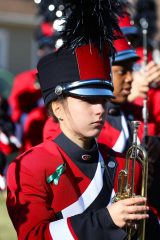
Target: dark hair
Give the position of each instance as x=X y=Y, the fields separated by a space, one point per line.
x=50 y=110
x=51 y=113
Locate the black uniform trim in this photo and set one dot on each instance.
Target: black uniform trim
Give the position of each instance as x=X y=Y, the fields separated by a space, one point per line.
x=94 y=225
x=76 y=154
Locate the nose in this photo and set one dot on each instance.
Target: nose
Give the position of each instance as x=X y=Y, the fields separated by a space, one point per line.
x=129 y=77
x=100 y=109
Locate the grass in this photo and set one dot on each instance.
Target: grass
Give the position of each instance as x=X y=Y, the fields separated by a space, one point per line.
x=7 y=231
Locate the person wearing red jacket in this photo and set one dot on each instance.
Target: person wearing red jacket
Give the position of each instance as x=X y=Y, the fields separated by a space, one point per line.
x=144 y=82
x=117 y=133
x=26 y=93
x=63 y=188
x=120 y=113
x=26 y=98
x=8 y=141
x=59 y=203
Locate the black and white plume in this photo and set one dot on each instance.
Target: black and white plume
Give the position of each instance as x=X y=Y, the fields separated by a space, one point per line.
x=83 y=21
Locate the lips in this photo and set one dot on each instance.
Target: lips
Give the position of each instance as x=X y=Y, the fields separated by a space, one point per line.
x=126 y=90
x=98 y=122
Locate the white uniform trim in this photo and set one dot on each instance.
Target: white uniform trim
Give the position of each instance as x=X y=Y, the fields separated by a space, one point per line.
x=59 y=230
x=112 y=196
x=89 y=195
x=2 y=183
x=3 y=138
x=124 y=135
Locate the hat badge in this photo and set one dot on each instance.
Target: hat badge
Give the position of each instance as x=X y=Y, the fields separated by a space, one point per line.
x=58 y=90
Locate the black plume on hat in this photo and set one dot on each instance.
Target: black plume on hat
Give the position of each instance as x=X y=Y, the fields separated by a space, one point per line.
x=90 y=21
x=125 y=3
x=84 y=20
x=81 y=66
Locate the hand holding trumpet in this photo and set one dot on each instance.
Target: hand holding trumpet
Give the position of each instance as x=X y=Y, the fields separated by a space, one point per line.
x=127 y=210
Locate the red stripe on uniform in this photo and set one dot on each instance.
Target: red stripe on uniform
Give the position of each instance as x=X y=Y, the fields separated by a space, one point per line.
x=106 y=138
x=71 y=229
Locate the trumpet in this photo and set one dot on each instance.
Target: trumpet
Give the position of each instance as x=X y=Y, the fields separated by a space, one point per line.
x=126 y=178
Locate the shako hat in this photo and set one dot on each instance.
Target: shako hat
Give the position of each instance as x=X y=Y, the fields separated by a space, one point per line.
x=124 y=51
x=49 y=11
x=127 y=24
x=45 y=35
x=81 y=66
x=85 y=73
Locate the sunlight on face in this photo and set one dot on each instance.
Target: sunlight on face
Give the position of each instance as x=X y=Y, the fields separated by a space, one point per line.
x=122 y=80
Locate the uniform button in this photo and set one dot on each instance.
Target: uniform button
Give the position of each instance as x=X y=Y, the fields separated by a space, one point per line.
x=111 y=164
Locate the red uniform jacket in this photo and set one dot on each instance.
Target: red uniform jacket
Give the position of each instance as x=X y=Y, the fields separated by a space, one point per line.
x=33 y=128
x=153 y=110
x=51 y=129
x=72 y=205
x=117 y=130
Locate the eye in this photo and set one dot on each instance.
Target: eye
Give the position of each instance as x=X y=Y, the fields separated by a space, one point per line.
x=123 y=72
x=120 y=72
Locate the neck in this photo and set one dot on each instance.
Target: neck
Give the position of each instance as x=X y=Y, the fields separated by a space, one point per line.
x=81 y=141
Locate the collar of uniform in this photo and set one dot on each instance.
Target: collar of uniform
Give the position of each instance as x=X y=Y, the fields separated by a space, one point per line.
x=113 y=109
x=75 y=152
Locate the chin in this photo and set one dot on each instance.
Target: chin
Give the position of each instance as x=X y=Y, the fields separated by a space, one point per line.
x=95 y=134
x=120 y=100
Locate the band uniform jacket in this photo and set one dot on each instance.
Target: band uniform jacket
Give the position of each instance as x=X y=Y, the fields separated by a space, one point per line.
x=72 y=204
x=117 y=131
x=32 y=128
x=153 y=110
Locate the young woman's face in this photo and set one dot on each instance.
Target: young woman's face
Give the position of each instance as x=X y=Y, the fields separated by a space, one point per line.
x=122 y=80
x=82 y=117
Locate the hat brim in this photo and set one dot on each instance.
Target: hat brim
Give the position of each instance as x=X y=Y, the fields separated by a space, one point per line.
x=91 y=92
x=86 y=88
x=90 y=88
x=129 y=30
x=82 y=92
x=127 y=55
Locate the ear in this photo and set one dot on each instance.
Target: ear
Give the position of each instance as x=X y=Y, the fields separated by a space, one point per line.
x=57 y=109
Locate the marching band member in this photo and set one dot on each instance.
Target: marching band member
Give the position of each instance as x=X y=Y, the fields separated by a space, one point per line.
x=27 y=106
x=8 y=140
x=62 y=188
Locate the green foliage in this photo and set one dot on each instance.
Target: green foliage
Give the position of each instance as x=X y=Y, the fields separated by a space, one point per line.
x=7 y=231
x=6 y=81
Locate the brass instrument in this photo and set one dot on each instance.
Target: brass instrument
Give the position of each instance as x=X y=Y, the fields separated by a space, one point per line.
x=126 y=177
